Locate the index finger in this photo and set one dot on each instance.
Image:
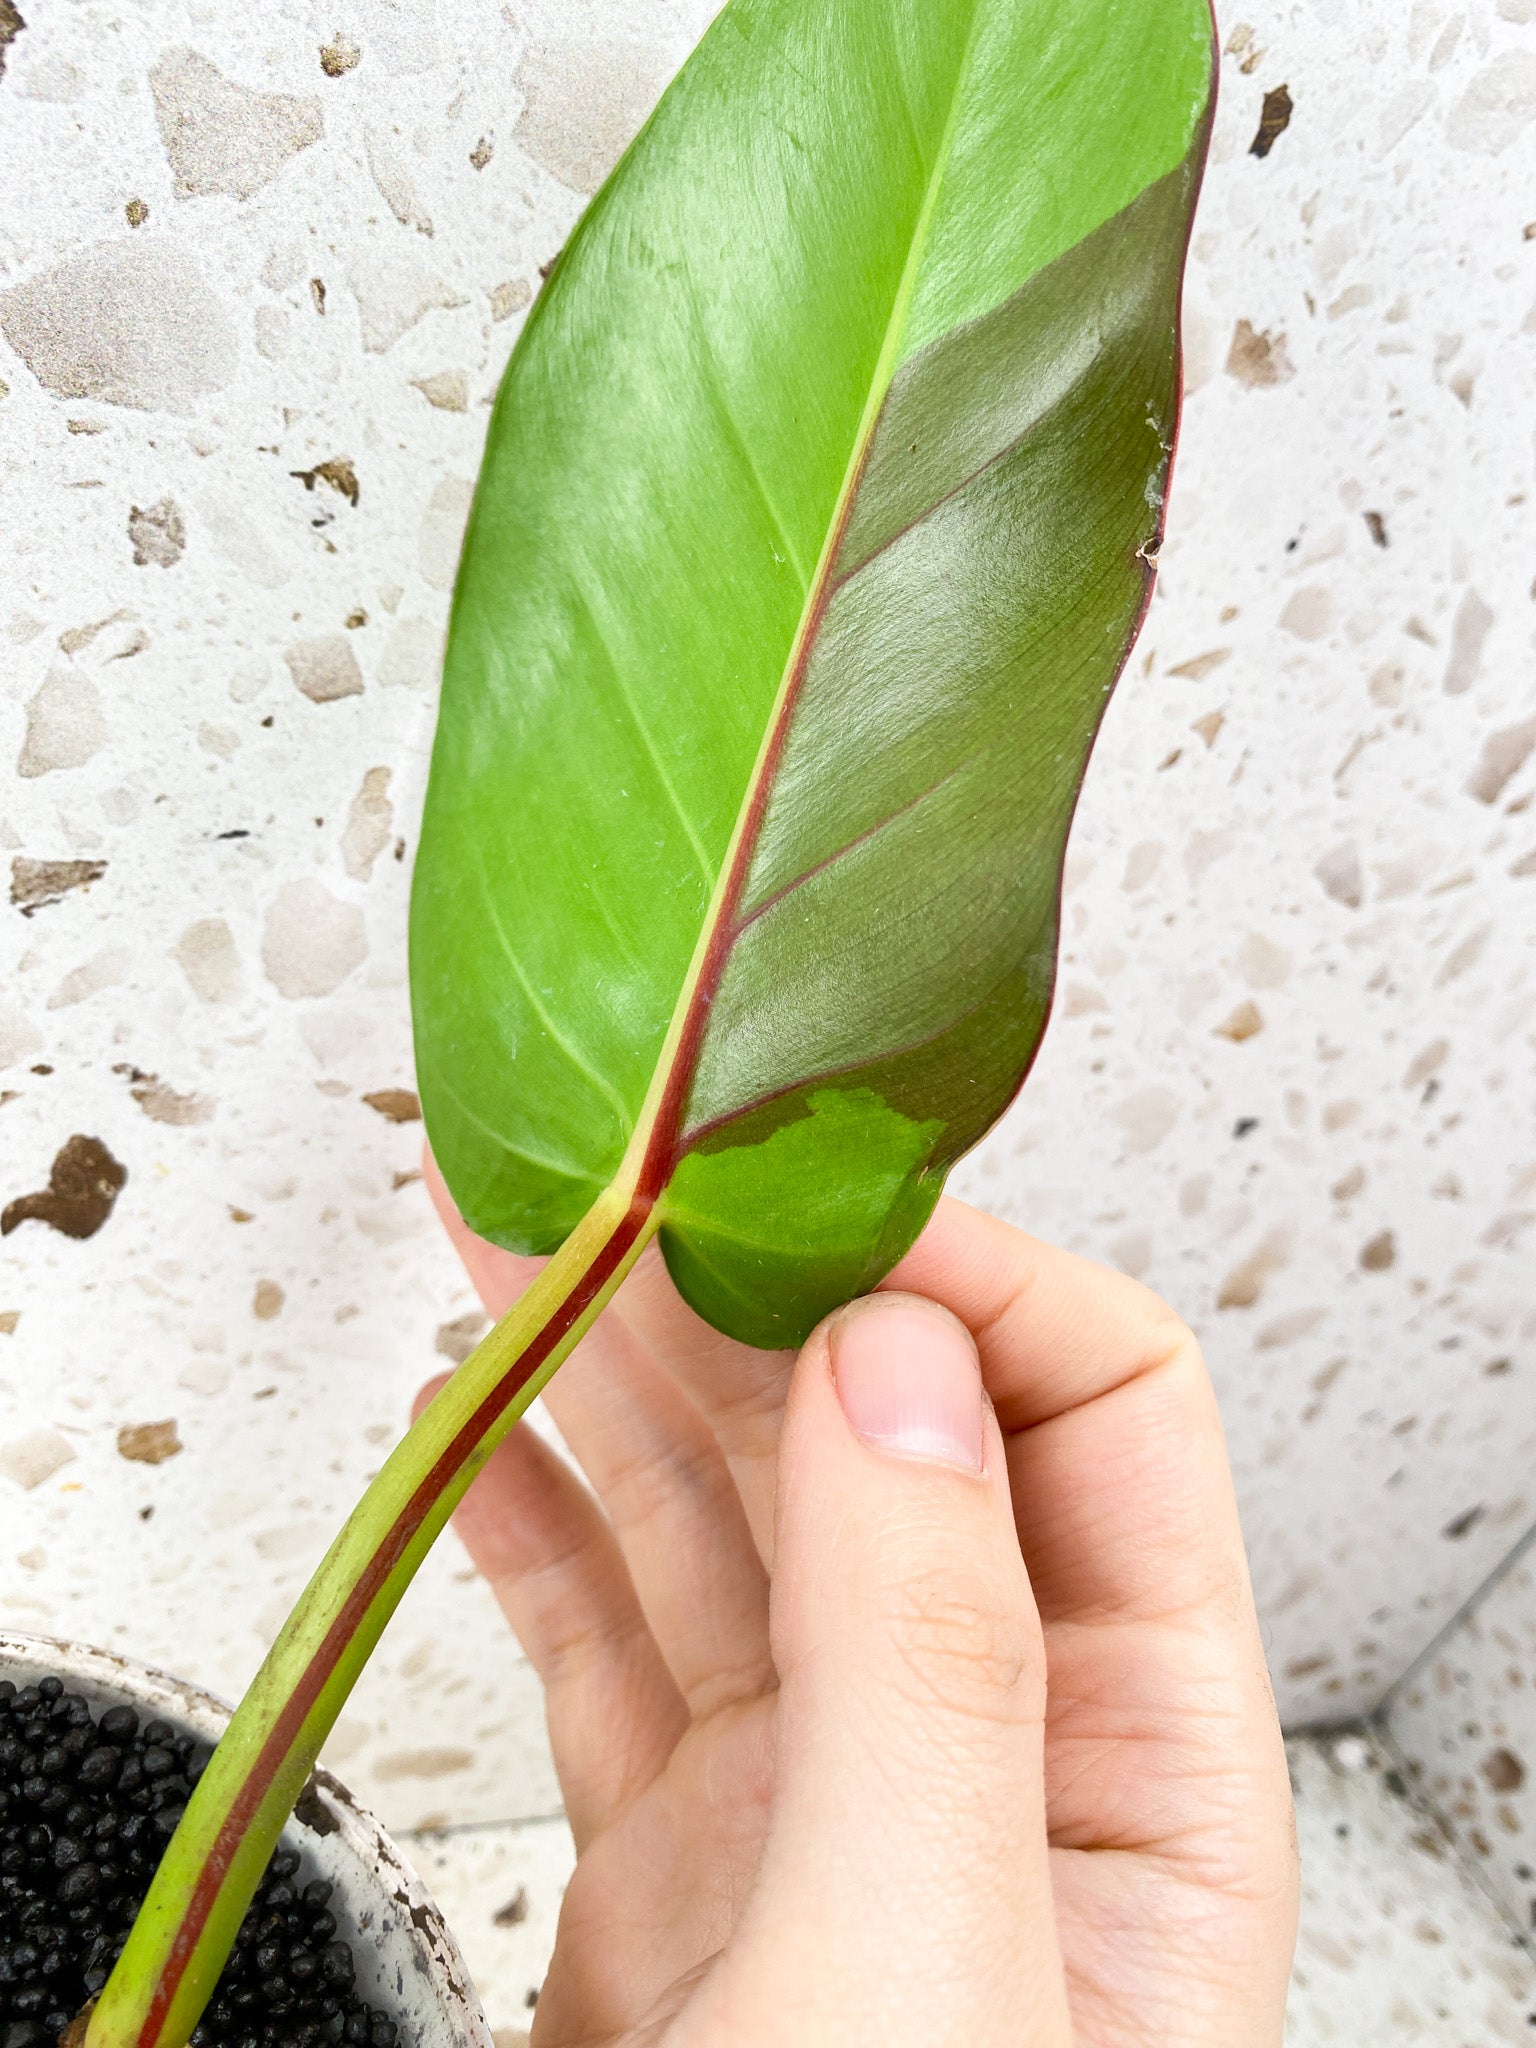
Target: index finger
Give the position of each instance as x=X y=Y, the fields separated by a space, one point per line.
x=1122 y=1491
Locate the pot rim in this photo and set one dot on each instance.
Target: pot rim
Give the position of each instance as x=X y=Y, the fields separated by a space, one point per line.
x=390 y=1905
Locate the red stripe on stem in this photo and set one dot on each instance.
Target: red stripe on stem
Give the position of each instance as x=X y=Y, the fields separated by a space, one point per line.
x=297 y=1707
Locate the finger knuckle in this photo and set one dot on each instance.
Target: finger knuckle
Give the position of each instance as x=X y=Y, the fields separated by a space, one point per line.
x=1166 y=1338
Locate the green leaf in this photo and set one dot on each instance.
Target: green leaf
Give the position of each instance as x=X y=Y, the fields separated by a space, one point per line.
x=814 y=527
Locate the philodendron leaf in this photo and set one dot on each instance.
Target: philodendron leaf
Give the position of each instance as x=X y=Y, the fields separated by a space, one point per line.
x=815 y=524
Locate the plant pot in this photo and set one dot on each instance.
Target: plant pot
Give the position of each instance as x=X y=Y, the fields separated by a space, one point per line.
x=407 y=1962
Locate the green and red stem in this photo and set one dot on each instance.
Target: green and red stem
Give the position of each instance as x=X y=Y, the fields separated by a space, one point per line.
x=186 y=1927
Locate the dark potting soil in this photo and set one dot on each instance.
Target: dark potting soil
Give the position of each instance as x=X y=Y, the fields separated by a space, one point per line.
x=87 y=1806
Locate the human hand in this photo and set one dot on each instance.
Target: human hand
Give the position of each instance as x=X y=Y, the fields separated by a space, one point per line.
x=886 y=1711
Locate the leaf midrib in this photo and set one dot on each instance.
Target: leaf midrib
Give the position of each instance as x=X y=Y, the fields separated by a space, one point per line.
x=655 y=1147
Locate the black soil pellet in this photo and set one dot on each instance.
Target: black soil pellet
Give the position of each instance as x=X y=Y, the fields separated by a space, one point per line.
x=87 y=1805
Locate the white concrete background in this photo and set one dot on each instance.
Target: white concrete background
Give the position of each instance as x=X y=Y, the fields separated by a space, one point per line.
x=1465 y=1724
x=1309 y=813
x=1398 y=1942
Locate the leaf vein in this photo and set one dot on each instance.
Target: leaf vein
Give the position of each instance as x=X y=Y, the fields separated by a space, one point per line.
x=504 y=1144
x=705 y=358
x=871 y=831
x=582 y=1065
x=627 y=695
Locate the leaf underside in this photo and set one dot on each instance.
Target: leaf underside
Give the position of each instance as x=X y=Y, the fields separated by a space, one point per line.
x=814 y=527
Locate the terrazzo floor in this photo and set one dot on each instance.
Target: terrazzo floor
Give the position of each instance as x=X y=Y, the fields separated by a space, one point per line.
x=1399 y=1943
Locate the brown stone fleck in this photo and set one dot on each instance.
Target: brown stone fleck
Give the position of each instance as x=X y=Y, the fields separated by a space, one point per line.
x=267 y=1301
x=317 y=293
x=9 y=1318
x=1340 y=875
x=1210 y=726
x=445 y=390
x=240 y=1215
x=1257 y=357
x=83 y=1183
x=148 y=1443
x=1244 y=1022
x=1309 y=1667
x=131 y=323
x=136 y=213
x=1245 y=1283
x=35 y=883
x=339 y=56
x=1504 y=755
x=1200 y=665
x=399 y=1105
x=11 y=26
x=221 y=137
x=161 y=1102
x=1464 y=1523
x=1427 y=1063
x=457 y=1339
x=1377 y=527
x=1241 y=1288
x=1503 y=1771
x=157 y=534
x=1379 y=1253
x=509 y=298
x=514 y=1912
x=1273 y=121
x=424 y=1763
x=324 y=669
x=482 y=153
x=368 y=825
x=337 y=471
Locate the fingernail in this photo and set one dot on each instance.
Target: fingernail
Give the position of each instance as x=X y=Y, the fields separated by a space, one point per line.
x=908 y=1381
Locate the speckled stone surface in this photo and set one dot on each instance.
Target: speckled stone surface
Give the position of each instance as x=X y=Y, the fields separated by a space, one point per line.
x=1398 y=1942
x=259 y=272
x=1465 y=1721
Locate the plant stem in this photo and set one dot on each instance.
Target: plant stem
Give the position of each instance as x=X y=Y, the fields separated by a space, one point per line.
x=187 y=1924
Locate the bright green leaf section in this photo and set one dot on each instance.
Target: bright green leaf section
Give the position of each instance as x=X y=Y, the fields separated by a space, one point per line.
x=750 y=1230
x=1066 y=111
x=813 y=529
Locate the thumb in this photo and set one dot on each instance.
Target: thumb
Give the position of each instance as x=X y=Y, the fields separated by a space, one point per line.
x=908 y=1844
